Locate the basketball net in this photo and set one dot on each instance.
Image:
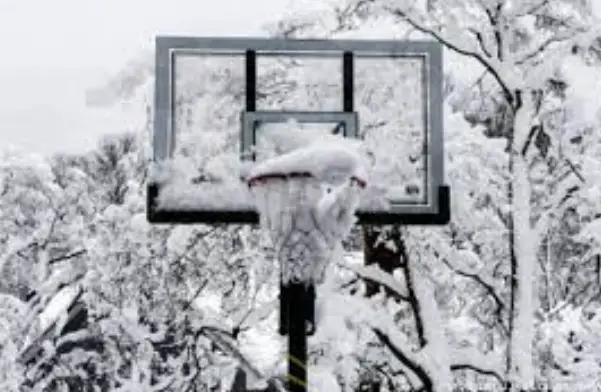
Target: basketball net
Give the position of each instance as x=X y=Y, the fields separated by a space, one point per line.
x=306 y=220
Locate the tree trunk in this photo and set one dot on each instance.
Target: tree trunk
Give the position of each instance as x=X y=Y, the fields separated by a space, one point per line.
x=432 y=327
x=377 y=249
x=386 y=247
x=520 y=364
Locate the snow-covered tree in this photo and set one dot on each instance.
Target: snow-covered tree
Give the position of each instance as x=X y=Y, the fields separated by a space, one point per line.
x=519 y=46
x=522 y=164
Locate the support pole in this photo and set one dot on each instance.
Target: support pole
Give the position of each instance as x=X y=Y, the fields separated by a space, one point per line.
x=299 y=300
x=309 y=305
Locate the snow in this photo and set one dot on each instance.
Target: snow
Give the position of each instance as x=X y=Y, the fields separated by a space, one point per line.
x=307 y=217
x=58 y=305
x=299 y=147
x=322 y=379
x=208 y=196
x=281 y=138
x=391 y=116
x=492 y=361
x=12 y=311
x=596 y=8
x=61 y=274
x=591 y=232
x=583 y=83
x=263 y=346
x=523 y=339
x=179 y=238
x=330 y=162
x=376 y=274
x=236 y=196
x=435 y=355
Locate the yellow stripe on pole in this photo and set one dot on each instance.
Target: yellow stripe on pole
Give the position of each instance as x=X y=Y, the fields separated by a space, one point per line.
x=296 y=361
x=296 y=380
x=300 y=363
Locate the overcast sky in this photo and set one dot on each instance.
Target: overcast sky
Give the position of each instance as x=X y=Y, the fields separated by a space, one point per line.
x=52 y=51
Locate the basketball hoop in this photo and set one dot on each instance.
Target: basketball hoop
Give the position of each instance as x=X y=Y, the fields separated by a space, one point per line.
x=306 y=219
x=307 y=200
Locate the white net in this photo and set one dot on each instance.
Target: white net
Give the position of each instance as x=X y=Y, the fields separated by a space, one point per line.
x=306 y=220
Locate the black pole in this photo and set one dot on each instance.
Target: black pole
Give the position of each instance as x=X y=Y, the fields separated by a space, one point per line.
x=348 y=72
x=299 y=301
x=284 y=306
x=251 y=81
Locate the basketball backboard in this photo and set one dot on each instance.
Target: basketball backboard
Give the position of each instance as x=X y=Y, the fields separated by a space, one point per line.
x=216 y=99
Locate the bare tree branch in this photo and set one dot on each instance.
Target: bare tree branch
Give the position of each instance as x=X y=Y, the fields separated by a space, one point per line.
x=542 y=224
x=575 y=170
x=565 y=303
x=218 y=337
x=475 y=277
x=57 y=216
x=538 y=48
x=501 y=215
x=193 y=243
x=343 y=14
x=416 y=307
x=188 y=304
x=537 y=7
x=465 y=366
x=480 y=39
x=456 y=48
x=532 y=9
x=67 y=256
x=492 y=19
x=500 y=305
x=419 y=371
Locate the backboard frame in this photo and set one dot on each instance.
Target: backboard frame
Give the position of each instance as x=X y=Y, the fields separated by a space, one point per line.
x=435 y=212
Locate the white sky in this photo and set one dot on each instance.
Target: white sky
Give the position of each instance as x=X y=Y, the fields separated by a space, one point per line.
x=52 y=51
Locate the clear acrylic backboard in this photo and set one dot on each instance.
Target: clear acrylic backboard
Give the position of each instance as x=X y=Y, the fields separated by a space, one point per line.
x=216 y=99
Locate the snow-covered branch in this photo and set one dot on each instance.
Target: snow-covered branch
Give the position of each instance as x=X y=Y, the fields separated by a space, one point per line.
x=541 y=46
x=484 y=372
x=405 y=358
x=67 y=256
x=488 y=64
x=217 y=336
x=569 y=301
x=480 y=38
x=445 y=254
x=254 y=315
x=531 y=9
x=491 y=364
x=345 y=14
x=377 y=275
x=193 y=242
x=568 y=189
x=478 y=279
